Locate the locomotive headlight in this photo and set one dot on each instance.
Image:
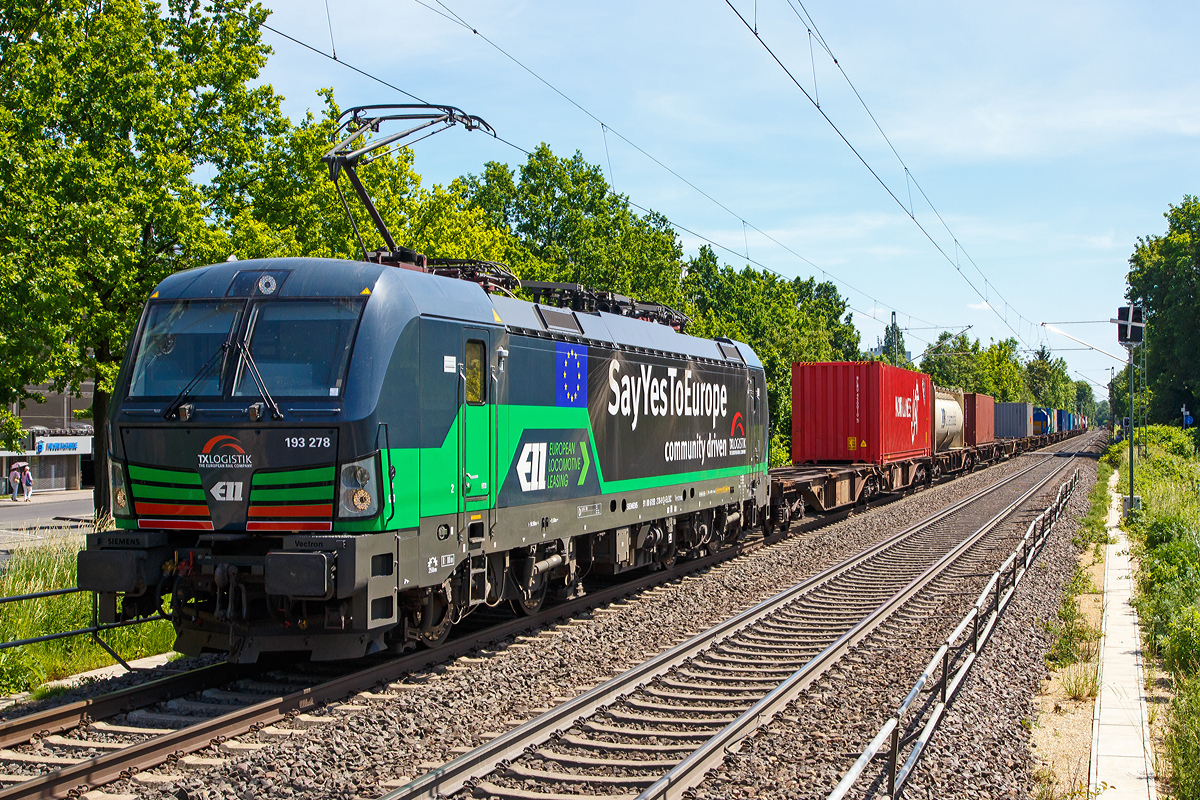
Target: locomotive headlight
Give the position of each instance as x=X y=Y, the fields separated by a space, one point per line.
x=358 y=492
x=119 y=494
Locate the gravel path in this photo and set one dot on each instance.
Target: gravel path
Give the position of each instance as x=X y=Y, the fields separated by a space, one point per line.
x=355 y=750
x=981 y=749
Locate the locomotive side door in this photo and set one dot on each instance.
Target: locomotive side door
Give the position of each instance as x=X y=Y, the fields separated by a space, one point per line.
x=476 y=434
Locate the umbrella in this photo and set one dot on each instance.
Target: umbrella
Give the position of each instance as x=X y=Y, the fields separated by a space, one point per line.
x=18 y=465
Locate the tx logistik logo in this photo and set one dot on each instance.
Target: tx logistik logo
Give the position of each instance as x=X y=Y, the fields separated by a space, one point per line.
x=224 y=452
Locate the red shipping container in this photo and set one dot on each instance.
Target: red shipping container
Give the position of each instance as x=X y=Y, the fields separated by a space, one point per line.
x=979 y=412
x=859 y=411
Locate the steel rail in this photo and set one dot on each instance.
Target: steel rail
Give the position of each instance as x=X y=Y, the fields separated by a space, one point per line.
x=692 y=770
x=477 y=763
x=71 y=715
x=108 y=767
x=21 y=729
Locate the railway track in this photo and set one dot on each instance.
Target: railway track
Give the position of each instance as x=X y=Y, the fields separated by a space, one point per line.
x=170 y=718
x=658 y=728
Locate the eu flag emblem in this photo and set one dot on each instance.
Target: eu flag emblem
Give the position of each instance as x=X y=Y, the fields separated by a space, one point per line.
x=570 y=375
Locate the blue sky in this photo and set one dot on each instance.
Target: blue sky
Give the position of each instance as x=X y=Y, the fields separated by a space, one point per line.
x=1048 y=136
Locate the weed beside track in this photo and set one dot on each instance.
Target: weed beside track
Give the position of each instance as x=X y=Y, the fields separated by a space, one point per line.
x=52 y=566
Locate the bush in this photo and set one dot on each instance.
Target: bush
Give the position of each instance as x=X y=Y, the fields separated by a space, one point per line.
x=1115 y=455
x=1180 y=647
x=1160 y=529
x=1175 y=441
x=1183 y=739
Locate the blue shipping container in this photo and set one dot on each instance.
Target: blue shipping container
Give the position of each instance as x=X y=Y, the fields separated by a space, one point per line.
x=1042 y=424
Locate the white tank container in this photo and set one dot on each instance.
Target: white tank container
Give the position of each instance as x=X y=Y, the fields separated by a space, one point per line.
x=948 y=421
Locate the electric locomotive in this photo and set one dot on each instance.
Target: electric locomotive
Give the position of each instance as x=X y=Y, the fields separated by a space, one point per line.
x=340 y=458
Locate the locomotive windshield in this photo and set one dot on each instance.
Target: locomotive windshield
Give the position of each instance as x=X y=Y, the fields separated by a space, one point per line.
x=301 y=347
x=177 y=343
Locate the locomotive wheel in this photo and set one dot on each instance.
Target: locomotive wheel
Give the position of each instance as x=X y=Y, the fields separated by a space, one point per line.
x=531 y=606
x=437 y=628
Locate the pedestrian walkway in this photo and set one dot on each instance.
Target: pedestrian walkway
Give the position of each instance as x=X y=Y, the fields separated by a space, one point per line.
x=1122 y=760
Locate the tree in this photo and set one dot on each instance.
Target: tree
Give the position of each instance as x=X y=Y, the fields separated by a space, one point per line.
x=1164 y=277
x=108 y=110
x=953 y=362
x=823 y=300
x=574 y=229
x=893 y=344
x=1048 y=380
x=1103 y=415
x=1085 y=400
x=1001 y=373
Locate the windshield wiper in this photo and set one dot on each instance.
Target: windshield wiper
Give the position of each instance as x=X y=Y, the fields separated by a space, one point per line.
x=259 y=383
x=173 y=408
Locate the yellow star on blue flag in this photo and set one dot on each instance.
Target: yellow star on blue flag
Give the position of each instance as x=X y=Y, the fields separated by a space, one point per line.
x=570 y=375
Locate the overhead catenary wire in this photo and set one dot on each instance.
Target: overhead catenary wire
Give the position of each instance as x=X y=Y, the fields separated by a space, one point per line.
x=908 y=210
x=451 y=15
x=872 y=314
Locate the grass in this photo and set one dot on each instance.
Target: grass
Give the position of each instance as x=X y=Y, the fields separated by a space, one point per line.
x=1081 y=680
x=1183 y=738
x=1092 y=530
x=52 y=566
x=1074 y=639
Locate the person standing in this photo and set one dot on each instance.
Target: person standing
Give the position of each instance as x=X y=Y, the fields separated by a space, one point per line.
x=14 y=482
x=27 y=482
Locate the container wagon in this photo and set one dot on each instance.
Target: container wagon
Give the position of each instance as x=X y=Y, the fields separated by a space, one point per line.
x=863 y=429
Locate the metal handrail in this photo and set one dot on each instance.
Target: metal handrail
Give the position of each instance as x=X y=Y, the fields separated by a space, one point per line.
x=992 y=602
x=79 y=632
x=35 y=595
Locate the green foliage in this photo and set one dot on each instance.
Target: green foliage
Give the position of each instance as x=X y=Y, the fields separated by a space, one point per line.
x=1093 y=529
x=893 y=344
x=996 y=370
x=1102 y=415
x=1073 y=637
x=568 y=226
x=954 y=362
x=39 y=569
x=108 y=110
x=1166 y=535
x=1049 y=381
x=1085 y=400
x=1164 y=277
x=1183 y=739
x=1181 y=644
x=1176 y=441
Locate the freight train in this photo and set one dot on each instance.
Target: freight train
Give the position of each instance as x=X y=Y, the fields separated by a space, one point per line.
x=865 y=429
x=340 y=458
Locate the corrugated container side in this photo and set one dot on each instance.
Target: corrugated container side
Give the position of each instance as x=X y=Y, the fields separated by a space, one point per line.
x=980 y=412
x=858 y=411
x=1013 y=420
x=1060 y=421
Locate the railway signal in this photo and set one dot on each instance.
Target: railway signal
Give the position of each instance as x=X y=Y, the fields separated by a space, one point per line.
x=1130 y=329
